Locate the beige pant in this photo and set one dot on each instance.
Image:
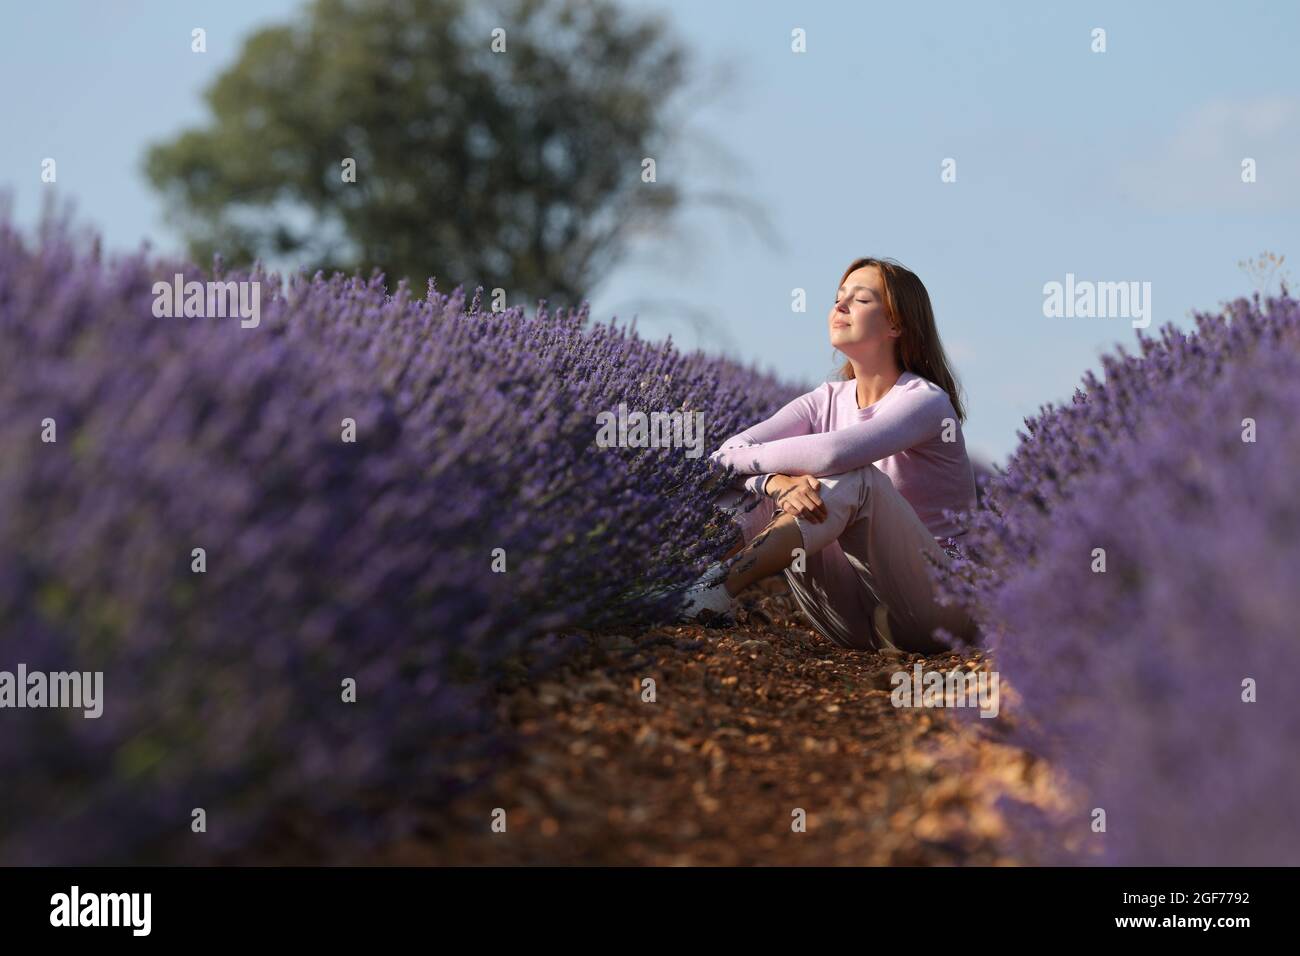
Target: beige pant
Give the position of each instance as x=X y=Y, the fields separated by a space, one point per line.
x=865 y=583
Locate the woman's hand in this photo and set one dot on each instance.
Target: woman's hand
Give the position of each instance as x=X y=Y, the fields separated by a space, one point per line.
x=797 y=495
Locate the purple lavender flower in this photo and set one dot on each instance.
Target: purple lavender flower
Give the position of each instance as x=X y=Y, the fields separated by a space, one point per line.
x=1133 y=679
x=325 y=560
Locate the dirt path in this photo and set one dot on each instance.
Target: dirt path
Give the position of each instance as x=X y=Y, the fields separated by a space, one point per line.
x=749 y=725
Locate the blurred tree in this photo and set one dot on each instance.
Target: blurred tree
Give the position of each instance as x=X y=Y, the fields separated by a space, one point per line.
x=519 y=169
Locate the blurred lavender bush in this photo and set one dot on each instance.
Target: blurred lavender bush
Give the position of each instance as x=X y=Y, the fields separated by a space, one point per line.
x=325 y=560
x=1132 y=679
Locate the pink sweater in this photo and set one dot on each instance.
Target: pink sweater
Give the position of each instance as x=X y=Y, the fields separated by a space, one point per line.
x=825 y=433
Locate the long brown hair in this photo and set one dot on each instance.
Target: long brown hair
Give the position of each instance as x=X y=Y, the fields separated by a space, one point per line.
x=908 y=305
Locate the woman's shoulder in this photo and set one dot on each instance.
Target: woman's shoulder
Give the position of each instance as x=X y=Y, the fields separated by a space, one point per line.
x=921 y=386
x=911 y=381
x=826 y=392
x=923 y=397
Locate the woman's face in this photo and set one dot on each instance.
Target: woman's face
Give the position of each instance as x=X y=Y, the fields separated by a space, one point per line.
x=859 y=321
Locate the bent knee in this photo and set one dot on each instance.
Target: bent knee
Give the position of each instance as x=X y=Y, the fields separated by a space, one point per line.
x=868 y=474
x=849 y=489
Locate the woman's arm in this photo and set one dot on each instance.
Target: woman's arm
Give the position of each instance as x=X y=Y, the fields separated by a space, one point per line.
x=795 y=418
x=914 y=418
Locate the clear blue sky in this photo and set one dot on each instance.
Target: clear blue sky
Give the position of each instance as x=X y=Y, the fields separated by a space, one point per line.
x=1116 y=166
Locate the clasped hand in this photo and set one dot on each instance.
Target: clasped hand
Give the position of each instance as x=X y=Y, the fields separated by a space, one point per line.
x=797 y=495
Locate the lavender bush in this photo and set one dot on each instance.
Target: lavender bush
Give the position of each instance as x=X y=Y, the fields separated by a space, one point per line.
x=1132 y=679
x=326 y=560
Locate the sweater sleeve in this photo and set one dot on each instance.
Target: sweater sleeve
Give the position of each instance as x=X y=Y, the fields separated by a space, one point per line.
x=915 y=417
x=793 y=419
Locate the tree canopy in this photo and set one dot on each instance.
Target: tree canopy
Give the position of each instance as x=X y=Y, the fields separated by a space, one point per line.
x=518 y=169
